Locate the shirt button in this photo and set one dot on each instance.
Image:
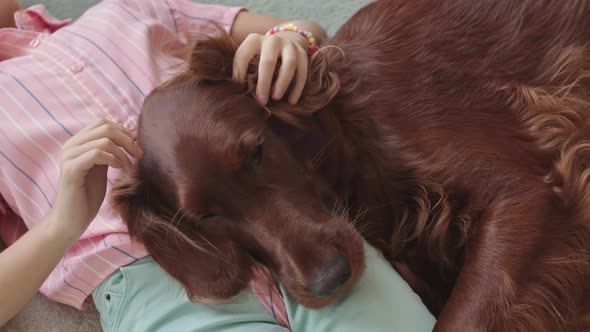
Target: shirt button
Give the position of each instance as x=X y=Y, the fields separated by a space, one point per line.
x=35 y=42
x=76 y=68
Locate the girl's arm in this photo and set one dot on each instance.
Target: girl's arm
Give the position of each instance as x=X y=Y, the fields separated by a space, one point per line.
x=291 y=47
x=82 y=187
x=25 y=265
x=247 y=23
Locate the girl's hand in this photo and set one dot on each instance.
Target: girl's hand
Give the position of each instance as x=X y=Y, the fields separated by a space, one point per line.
x=83 y=176
x=290 y=47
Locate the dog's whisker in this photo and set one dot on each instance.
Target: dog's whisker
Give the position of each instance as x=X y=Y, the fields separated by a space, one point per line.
x=318 y=157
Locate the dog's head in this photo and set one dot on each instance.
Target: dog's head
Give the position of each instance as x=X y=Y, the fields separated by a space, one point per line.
x=225 y=182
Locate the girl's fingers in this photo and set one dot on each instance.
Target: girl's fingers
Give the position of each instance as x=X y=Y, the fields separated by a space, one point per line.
x=249 y=48
x=103 y=144
x=108 y=130
x=91 y=126
x=89 y=159
x=286 y=71
x=271 y=48
x=300 y=76
x=293 y=70
x=99 y=123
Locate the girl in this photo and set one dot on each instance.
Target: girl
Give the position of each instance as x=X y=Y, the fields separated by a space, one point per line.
x=69 y=100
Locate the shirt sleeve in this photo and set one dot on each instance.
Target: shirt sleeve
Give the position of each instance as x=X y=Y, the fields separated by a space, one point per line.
x=191 y=16
x=188 y=20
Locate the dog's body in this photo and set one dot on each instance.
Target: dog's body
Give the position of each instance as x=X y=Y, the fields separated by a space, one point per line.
x=473 y=162
x=457 y=133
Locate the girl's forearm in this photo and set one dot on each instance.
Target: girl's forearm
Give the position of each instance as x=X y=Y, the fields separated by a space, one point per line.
x=247 y=23
x=317 y=30
x=25 y=265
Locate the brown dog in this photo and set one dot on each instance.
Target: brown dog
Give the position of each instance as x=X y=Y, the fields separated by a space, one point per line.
x=454 y=134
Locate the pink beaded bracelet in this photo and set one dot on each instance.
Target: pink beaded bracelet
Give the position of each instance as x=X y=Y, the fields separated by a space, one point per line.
x=313 y=45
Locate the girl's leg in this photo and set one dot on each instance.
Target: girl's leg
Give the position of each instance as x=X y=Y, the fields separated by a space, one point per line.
x=142 y=297
x=381 y=301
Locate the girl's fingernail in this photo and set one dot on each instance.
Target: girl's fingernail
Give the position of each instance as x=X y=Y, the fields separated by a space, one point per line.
x=277 y=95
x=263 y=99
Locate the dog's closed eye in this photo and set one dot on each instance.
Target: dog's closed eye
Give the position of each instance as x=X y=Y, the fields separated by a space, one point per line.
x=209 y=216
x=257 y=153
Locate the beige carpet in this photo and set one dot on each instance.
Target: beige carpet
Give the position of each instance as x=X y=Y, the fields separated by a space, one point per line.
x=43 y=315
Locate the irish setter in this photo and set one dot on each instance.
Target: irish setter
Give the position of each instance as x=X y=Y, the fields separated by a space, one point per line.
x=453 y=135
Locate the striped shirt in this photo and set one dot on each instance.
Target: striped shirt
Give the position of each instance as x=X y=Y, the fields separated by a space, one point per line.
x=55 y=79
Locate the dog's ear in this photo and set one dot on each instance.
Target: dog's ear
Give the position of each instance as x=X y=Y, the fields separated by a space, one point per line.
x=321 y=87
x=211 y=59
x=210 y=269
x=322 y=81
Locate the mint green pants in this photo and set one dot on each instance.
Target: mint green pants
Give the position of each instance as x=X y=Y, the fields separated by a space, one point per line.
x=142 y=297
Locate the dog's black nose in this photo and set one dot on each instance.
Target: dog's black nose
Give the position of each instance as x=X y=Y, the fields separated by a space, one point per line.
x=330 y=277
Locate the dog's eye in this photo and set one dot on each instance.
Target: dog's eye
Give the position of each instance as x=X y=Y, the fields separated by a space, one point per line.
x=256 y=156
x=208 y=216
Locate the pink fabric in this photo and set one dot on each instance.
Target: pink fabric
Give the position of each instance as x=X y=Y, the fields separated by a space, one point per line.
x=267 y=290
x=56 y=78
x=38 y=19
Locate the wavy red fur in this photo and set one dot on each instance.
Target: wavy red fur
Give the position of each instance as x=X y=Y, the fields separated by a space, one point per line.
x=453 y=135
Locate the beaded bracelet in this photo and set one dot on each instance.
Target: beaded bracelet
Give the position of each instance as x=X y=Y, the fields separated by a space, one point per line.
x=313 y=45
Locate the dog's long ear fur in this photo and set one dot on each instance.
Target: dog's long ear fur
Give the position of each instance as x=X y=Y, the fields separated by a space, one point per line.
x=211 y=60
x=210 y=270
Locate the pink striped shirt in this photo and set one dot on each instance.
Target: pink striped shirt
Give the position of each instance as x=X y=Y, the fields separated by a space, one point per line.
x=56 y=78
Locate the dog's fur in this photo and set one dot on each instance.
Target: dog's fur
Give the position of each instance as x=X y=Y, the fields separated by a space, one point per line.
x=454 y=135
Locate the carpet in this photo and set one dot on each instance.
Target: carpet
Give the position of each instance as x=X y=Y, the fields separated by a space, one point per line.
x=44 y=315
